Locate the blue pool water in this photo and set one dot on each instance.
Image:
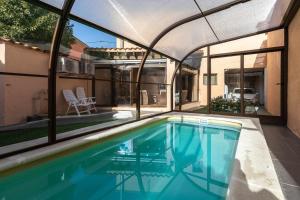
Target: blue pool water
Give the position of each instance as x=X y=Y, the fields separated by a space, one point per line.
x=166 y=160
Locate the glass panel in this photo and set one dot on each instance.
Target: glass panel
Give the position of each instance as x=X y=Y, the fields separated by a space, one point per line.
x=155 y=88
x=176 y=86
x=190 y=81
x=262 y=81
x=183 y=39
x=194 y=60
x=96 y=80
x=24 y=95
x=249 y=17
x=155 y=98
x=225 y=93
x=203 y=108
x=103 y=92
x=56 y=3
x=209 y=4
x=213 y=79
x=204 y=51
x=156 y=69
x=133 y=19
x=194 y=92
x=265 y=40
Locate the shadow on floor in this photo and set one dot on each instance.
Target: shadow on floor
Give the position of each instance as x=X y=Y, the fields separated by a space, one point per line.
x=285 y=152
x=241 y=189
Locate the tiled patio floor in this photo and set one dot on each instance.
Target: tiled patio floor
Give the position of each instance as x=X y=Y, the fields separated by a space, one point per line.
x=285 y=152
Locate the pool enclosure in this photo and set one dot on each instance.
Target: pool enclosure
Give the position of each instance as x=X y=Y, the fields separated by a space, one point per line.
x=216 y=57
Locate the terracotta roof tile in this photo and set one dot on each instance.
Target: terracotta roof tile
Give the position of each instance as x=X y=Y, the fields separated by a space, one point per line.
x=26 y=45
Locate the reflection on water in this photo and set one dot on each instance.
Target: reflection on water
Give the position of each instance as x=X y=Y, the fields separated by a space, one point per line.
x=166 y=161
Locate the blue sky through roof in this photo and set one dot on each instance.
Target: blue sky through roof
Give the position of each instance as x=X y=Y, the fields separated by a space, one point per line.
x=93 y=37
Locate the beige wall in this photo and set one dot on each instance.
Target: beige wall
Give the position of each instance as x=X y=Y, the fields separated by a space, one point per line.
x=218 y=67
x=124 y=44
x=294 y=76
x=22 y=96
x=273 y=74
x=20 y=59
x=171 y=65
x=2 y=87
x=272 y=84
x=253 y=42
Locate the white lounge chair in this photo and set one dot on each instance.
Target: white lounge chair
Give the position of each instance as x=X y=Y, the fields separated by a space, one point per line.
x=82 y=97
x=73 y=102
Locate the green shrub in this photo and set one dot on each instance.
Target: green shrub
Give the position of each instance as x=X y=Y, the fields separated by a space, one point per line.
x=219 y=104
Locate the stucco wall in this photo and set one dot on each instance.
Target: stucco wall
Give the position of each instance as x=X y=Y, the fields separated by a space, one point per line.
x=253 y=42
x=76 y=49
x=273 y=73
x=218 y=66
x=202 y=87
x=272 y=83
x=293 y=76
x=20 y=59
x=171 y=65
x=2 y=61
x=124 y=44
x=23 y=96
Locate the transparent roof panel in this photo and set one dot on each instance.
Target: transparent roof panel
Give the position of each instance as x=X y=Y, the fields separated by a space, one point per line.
x=183 y=39
x=210 y=4
x=194 y=60
x=143 y=20
x=55 y=3
x=140 y=20
x=246 y=18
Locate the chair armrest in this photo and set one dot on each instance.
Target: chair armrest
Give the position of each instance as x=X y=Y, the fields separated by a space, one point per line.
x=92 y=99
x=83 y=100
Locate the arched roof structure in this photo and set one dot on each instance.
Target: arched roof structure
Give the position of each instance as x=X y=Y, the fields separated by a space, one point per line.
x=160 y=24
x=173 y=28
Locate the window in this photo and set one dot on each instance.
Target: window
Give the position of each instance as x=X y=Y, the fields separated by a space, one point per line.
x=213 y=79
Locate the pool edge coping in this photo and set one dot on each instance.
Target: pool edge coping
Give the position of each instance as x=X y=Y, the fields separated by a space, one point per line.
x=248 y=144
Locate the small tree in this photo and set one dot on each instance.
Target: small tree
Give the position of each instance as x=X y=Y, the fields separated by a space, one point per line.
x=23 y=21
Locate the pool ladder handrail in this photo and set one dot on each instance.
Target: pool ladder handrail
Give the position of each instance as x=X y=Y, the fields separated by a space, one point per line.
x=203 y=121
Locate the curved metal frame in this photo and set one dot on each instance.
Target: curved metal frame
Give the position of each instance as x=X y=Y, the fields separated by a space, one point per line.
x=54 y=53
x=64 y=15
x=172 y=85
